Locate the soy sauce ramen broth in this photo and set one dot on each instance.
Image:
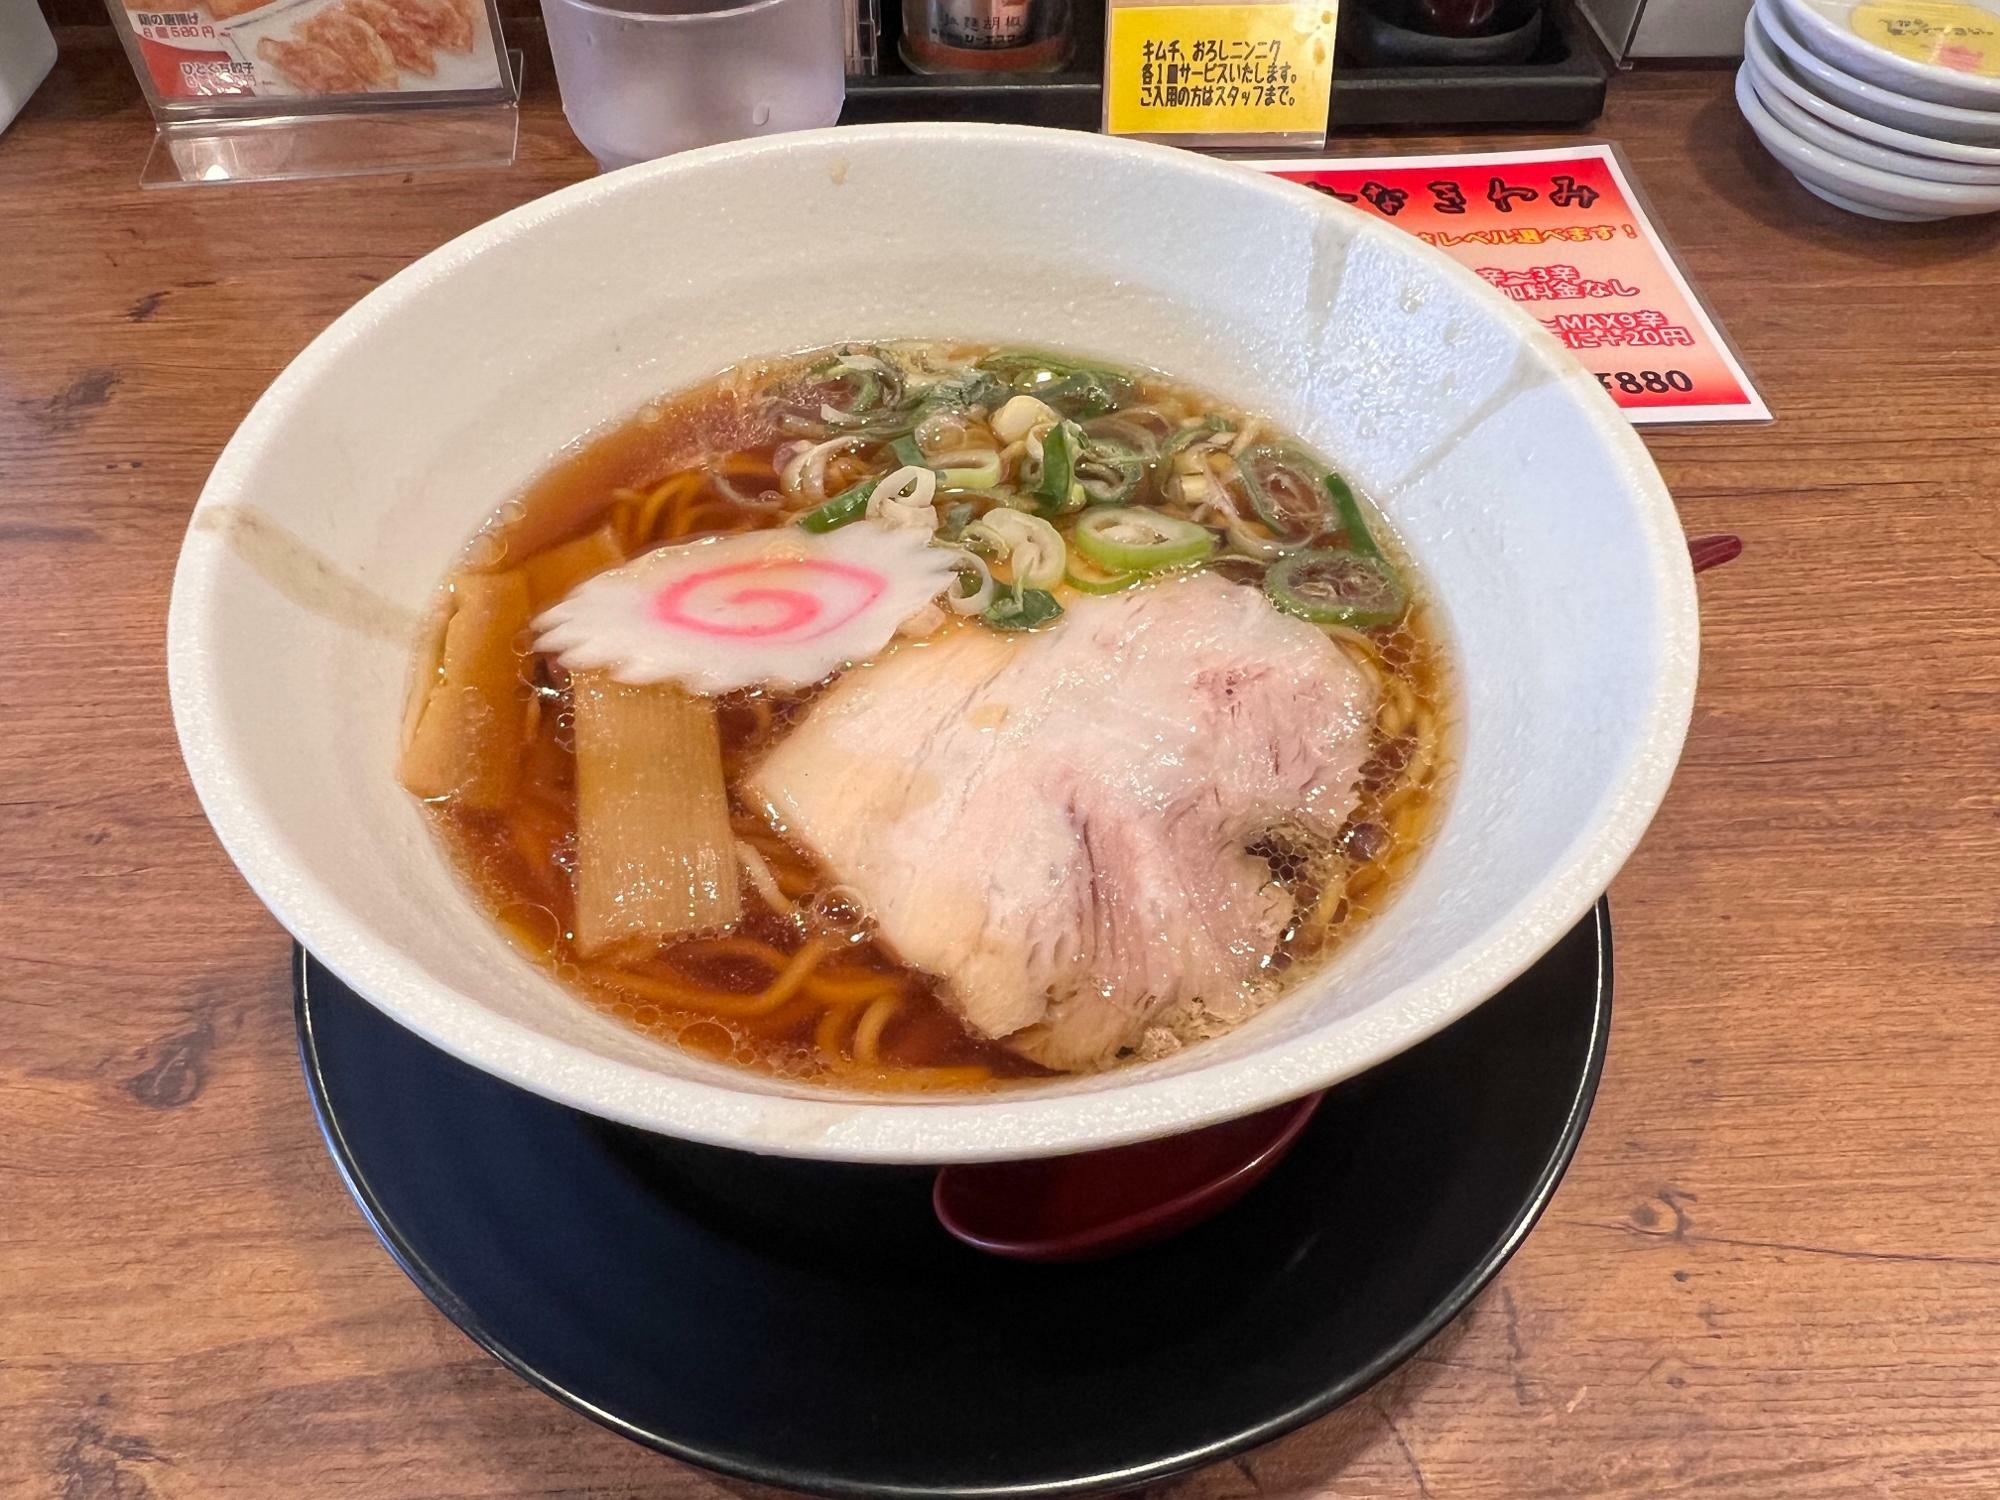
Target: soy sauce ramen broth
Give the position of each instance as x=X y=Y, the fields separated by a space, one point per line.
x=845 y=1013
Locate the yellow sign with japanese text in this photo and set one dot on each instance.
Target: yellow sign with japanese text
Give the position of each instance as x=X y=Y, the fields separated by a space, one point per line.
x=1233 y=72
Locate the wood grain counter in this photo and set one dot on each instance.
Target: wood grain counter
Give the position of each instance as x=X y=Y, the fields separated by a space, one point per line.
x=1774 y=1269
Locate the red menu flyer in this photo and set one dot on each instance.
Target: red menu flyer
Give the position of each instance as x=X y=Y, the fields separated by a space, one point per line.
x=1561 y=232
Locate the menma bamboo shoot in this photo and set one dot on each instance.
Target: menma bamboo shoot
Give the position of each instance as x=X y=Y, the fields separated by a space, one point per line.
x=656 y=858
x=467 y=740
x=552 y=574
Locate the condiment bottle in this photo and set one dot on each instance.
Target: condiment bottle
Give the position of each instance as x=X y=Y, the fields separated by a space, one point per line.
x=986 y=36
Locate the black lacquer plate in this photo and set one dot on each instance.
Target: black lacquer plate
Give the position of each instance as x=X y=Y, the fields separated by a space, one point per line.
x=811 y=1326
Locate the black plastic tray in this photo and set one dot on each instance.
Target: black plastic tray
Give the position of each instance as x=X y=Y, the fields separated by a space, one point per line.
x=1562 y=84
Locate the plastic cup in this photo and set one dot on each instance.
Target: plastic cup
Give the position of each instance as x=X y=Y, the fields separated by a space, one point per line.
x=647 y=78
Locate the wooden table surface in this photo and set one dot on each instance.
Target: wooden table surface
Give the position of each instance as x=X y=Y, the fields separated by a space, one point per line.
x=1774 y=1269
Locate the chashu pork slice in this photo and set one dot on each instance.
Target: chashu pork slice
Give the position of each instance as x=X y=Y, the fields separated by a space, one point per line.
x=1057 y=824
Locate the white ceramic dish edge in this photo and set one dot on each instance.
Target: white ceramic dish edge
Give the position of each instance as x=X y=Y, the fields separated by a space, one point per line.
x=1855 y=54
x=1852 y=182
x=1948 y=122
x=1803 y=124
x=995 y=1127
x=1772 y=69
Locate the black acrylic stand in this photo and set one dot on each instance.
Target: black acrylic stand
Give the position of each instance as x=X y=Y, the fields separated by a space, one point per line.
x=1562 y=83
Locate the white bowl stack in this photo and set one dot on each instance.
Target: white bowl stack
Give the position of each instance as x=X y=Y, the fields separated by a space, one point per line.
x=1873 y=130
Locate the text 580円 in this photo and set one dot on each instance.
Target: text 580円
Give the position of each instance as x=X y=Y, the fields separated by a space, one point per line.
x=1645 y=382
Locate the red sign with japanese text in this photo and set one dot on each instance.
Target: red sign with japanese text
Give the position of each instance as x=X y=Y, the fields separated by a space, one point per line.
x=1561 y=233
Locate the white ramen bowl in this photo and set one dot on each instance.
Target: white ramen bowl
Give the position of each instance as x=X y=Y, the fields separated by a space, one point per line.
x=1539 y=523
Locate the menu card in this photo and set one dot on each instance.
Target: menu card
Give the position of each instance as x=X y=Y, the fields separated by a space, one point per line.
x=1562 y=233
x=309 y=52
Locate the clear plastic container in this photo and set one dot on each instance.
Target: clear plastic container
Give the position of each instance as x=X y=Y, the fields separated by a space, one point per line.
x=647 y=78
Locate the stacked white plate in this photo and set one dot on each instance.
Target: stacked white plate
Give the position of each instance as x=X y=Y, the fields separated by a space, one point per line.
x=1889 y=108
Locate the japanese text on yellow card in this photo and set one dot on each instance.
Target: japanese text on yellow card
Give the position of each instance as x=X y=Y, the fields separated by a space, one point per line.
x=1219 y=69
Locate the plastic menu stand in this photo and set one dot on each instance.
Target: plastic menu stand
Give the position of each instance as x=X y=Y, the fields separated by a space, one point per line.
x=285 y=90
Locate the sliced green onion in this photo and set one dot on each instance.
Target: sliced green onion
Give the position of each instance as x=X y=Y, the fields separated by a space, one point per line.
x=851 y=504
x=1001 y=497
x=1109 y=472
x=1120 y=430
x=1113 y=488
x=1072 y=389
x=1126 y=539
x=853 y=389
x=1033 y=548
x=1022 y=609
x=903 y=497
x=1352 y=522
x=971 y=567
x=1248 y=539
x=963 y=391
x=1086 y=575
x=963 y=476
x=1023 y=367
x=1020 y=415
x=1338 y=586
x=1087 y=393
x=1287 y=488
x=956 y=518
x=867 y=396
x=957 y=469
x=1054 y=490
x=1196 y=432
x=804 y=472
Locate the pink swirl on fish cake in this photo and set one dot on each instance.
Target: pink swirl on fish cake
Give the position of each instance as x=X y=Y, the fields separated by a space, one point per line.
x=703 y=603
